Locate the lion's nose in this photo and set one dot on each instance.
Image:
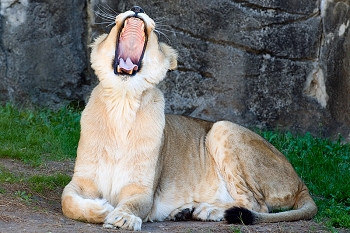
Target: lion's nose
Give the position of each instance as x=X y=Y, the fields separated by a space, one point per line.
x=137 y=10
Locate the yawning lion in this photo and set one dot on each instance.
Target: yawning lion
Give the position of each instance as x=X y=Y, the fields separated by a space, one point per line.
x=134 y=163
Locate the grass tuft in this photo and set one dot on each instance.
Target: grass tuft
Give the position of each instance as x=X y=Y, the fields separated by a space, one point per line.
x=6 y=176
x=42 y=184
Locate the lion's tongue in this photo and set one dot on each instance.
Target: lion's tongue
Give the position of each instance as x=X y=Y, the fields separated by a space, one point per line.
x=130 y=46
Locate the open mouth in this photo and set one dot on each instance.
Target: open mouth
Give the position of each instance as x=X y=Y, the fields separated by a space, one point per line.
x=131 y=44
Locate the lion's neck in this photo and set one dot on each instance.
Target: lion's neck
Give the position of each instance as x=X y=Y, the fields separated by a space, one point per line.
x=121 y=107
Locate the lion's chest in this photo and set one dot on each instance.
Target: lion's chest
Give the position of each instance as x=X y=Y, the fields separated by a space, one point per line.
x=112 y=176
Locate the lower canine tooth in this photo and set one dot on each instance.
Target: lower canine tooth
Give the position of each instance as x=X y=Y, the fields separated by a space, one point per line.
x=119 y=69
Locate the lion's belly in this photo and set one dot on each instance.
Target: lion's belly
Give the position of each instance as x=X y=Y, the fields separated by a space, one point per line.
x=172 y=195
x=189 y=173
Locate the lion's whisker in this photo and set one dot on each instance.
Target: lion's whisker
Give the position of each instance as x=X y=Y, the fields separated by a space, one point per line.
x=167 y=30
x=112 y=23
x=105 y=12
x=105 y=22
x=109 y=23
x=163 y=34
x=104 y=16
x=107 y=9
x=110 y=9
x=163 y=26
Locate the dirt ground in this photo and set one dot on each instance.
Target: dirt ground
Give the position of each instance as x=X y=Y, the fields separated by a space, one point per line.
x=43 y=213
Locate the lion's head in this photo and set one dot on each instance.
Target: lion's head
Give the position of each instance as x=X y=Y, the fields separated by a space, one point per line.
x=131 y=51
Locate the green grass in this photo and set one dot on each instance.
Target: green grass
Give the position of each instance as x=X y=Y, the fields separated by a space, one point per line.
x=324 y=166
x=36 y=136
x=7 y=176
x=42 y=184
x=28 y=186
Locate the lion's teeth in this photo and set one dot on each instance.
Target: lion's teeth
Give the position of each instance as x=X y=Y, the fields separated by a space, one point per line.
x=120 y=70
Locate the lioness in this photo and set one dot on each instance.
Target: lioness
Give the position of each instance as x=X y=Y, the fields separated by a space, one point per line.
x=135 y=164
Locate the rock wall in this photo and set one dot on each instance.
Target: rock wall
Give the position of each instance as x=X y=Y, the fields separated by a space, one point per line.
x=43 y=53
x=261 y=63
x=335 y=59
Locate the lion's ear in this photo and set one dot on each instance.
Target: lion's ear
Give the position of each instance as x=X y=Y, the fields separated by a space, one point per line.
x=170 y=54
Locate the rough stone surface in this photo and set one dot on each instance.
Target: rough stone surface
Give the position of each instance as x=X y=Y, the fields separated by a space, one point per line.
x=43 y=51
x=335 y=58
x=272 y=63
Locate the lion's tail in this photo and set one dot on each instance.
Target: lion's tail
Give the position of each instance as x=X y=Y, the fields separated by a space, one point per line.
x=304 y=209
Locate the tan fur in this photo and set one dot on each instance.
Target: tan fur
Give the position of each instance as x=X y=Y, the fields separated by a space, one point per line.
x=135 y=164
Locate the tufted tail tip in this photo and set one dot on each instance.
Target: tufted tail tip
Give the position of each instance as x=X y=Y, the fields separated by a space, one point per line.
x=239 y=215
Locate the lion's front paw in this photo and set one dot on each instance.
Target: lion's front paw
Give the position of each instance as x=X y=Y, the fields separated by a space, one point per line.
x=118 y=219
x=207 y=212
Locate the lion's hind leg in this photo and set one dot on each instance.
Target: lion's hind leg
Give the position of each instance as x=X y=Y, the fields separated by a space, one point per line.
x=257 y=176
x=211 y=212
x=76 y=206
x=183 y=213
x=200 y=211
x=224 y=144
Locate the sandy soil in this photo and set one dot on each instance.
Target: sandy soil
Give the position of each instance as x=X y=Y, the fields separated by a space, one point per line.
x=43 y=213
